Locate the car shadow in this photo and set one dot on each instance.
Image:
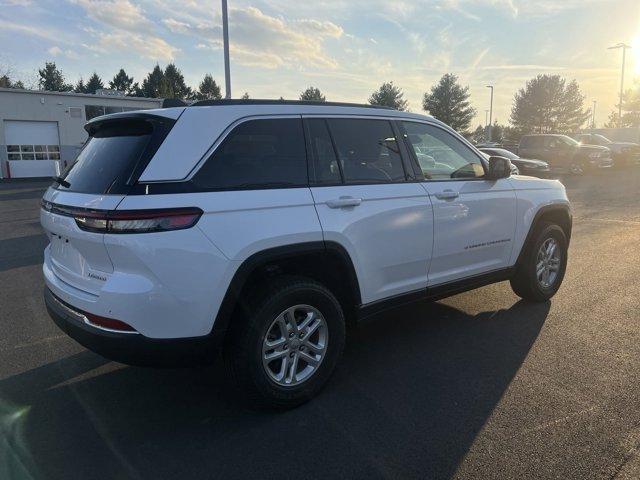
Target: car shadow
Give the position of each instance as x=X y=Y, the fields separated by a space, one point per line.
x=22 y=251
x=415 y=387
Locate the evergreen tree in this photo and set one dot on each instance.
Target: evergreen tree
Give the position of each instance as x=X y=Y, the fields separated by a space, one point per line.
x=175 y=84
x=123 y=83
x=151 y=85
x=548 y=104
x=630 y=109
x=388 y=95
x=94 y=83
x=80 y=87
x=477 y=136
x=52 y=79
x=449 y=102
x=312 y=94
x=208 y=89
x=6 y=82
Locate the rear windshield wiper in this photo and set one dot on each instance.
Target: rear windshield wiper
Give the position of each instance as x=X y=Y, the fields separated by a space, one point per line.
x=61 y=181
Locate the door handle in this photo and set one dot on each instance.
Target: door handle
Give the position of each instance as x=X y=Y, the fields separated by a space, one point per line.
x=344 y=202
x=447 y=194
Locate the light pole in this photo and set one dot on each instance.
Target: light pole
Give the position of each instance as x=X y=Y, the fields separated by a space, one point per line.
x=624 y=48
x=486 y=120
x=225 y=40
x=490 y=110
x=593 y=116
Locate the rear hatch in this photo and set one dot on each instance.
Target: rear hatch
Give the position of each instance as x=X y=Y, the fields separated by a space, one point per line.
x=116 y=152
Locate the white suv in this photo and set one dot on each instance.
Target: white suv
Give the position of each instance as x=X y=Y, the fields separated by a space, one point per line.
x=261 y=228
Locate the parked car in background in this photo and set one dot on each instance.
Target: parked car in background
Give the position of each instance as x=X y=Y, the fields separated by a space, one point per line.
x=564 y=154
x=624 y=154
x=534 y=168
x=513 y=169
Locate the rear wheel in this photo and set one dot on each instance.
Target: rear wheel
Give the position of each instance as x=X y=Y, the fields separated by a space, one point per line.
x=542 y=269
x=285 y=349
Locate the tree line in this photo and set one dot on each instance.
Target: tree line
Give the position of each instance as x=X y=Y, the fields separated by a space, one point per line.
x=158 y=83
x=546 y=104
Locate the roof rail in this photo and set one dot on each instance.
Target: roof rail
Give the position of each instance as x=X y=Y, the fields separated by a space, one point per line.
x=251 y=101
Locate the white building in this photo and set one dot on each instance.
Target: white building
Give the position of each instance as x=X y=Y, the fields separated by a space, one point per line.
x=42 y=132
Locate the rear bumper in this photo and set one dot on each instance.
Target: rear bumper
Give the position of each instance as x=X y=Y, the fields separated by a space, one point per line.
x=132 y=349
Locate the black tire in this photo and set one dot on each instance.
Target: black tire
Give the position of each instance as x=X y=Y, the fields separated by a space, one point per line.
x=525 y=282
x=577 y=168
x=243 y=349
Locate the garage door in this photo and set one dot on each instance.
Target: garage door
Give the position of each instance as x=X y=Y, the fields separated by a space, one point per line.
x=33 y=148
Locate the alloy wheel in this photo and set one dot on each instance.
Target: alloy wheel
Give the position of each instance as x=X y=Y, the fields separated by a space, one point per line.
x=295 y=345
x=548 y=263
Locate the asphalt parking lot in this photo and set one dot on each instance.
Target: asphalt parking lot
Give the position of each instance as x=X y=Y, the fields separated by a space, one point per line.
x=480 y=385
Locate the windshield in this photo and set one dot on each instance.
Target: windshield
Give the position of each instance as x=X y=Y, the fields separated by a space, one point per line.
x=602 y=139
x=568 y=140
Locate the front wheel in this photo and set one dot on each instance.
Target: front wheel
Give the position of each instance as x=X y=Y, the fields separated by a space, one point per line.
x=540 y=273
x=577 y=168
x=285 y=348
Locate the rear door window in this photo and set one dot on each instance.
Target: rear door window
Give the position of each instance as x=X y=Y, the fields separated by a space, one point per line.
x=367 y=150
x=111 y=158
x=264 y=153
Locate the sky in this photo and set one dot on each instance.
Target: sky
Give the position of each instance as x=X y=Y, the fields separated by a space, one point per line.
x=347 y=48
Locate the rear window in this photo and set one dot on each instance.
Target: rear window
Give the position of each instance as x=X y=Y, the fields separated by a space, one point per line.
x=257 y=154
x=112 y=157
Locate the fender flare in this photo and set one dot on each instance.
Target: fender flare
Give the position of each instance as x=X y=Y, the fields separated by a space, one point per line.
x=558 y=207
x=271 y=255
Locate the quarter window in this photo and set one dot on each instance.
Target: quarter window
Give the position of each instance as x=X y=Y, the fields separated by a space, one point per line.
x=442 y=156
x=257 y=154
x=367 y=150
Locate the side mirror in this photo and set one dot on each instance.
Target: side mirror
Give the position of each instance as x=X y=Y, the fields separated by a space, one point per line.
x=499 y=167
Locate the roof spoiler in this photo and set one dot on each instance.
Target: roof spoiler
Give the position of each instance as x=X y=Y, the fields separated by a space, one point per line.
x=173 y=102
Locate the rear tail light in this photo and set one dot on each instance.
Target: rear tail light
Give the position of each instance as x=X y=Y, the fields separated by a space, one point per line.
x=129 y=221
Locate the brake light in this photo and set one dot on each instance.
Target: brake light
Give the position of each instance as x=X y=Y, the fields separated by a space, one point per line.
x=129 y=221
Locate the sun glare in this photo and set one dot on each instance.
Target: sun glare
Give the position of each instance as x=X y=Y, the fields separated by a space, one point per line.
x=635 y=49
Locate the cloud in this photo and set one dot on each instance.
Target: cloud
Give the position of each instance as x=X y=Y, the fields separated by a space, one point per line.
x=296 y=43
x=325 y=29
x=15 y=3
x=150 y=47
x=176 y=26
x=262 y=40
x=127 y=29
x=40 y=32
x=68 y=53
x=479 y=58
x=523 y=67
x=121 y=14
